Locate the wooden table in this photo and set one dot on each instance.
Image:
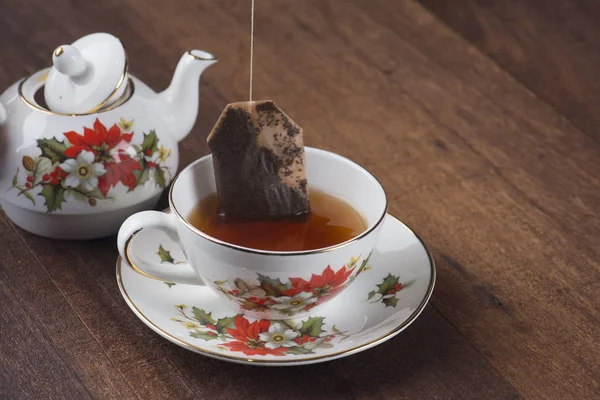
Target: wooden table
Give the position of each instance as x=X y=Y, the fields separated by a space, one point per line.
x=480 y=119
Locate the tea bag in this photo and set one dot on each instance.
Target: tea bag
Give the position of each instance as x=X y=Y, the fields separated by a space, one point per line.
x=258 y=157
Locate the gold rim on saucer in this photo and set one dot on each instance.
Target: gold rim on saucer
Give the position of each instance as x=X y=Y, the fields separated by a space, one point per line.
x=348 y=352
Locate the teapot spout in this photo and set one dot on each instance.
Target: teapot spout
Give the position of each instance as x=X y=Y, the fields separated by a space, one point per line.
x=179 y=102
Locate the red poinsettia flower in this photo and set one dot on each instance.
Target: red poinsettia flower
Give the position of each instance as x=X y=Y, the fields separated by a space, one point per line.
x=326 y=284
x=119 y=172
x=109 y=148
x=247 y=340
x=99 y=141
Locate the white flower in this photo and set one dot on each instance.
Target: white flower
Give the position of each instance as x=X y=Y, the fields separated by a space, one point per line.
x=293 y=304
x=278 y=336
x=83 y=171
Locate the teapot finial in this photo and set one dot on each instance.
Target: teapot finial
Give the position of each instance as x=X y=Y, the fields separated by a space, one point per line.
x=87 y=75
x=68 y=61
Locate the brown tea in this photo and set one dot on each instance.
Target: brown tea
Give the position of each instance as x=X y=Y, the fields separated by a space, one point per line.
x=332 y=221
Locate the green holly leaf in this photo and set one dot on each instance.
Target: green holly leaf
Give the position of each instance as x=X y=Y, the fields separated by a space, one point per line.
x=150 y=142
x=29 y=196
x=54 y=195
x=224 y=323
x=273 y=287
x=53 y=149
x=390 y=301
x=14 y=181
x=165 y=255
x=388 y=284
x=313 y=326
x=142 y=176
x=169 y=284
x=203 y=335
x=159 y=177
x=371 y=294
x=220 y=283
x=202 y=317
x=299 y=350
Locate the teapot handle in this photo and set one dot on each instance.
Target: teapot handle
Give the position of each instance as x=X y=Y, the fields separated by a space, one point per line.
x=3 y=114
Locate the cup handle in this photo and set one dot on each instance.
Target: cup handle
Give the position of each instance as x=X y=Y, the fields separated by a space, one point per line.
x=182 y=273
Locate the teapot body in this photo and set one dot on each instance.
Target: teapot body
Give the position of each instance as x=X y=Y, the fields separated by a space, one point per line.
x=79 y=176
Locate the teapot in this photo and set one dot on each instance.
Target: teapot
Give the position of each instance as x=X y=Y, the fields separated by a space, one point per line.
x=84 y=144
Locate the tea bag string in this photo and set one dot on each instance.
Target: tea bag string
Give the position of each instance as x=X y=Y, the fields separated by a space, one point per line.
x=251 y=46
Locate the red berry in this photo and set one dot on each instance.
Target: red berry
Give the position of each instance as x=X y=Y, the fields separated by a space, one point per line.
x=312 y=339
x=298 y=340
x=304 y=338
x=54 y=181
x=211 y=334
x=46 y=177
x=397 y=286
x=58 y=173
x=28 y=185
x=148 y=152
x=30 y=178
x=391 y=291
x=151 y=164
x=211 y=326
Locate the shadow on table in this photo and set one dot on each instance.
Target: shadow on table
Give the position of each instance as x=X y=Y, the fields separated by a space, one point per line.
x=430 y=356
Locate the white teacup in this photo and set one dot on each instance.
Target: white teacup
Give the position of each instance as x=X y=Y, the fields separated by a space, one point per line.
x=259 y=283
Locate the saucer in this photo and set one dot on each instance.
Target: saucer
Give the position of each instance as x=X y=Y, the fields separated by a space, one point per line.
x=388 y=294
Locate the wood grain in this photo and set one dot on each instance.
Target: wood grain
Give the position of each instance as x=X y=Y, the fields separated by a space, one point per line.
x=478 y=159
x=552 y=49
x=46 y=350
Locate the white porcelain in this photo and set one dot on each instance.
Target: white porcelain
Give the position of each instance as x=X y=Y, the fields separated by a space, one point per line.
x=358 y=319
x=87 y=75
x=114 y=162
x=280 y=284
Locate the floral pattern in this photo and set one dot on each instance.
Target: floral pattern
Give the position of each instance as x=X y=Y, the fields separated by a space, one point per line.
x=260 y=337
x=87 y=166
x=388 y=289
x=294 y=296
x=300 y=336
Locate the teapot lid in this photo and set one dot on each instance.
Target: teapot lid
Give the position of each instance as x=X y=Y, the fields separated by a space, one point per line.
x=88 y=75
